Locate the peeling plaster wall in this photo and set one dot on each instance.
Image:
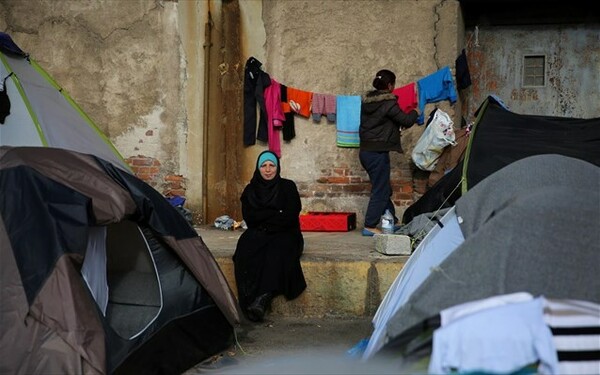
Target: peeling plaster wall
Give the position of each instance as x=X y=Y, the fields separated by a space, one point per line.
x=572 y=61
x=136 y=67
x=336 y=48
x=121 y=61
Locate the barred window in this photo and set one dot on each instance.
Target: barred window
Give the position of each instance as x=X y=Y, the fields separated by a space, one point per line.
x=534 y=70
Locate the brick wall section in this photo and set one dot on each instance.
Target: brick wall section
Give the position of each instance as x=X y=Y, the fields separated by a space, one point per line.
x=340 y=181
x=408 y=184
x=149 y=170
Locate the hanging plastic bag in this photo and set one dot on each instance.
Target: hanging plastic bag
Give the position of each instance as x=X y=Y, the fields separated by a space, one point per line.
x=438 y=134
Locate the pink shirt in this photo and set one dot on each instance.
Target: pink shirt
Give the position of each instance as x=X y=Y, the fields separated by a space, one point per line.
x=275 y=116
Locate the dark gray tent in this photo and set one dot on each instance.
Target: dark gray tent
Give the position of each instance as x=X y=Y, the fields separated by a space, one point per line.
x=500 y=137
x=532 y=226
x=100 y=274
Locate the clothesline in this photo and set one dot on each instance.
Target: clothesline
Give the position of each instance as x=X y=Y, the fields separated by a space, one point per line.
x=280 y=103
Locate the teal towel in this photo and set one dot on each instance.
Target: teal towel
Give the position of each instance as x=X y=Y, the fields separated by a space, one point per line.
x=348 y=120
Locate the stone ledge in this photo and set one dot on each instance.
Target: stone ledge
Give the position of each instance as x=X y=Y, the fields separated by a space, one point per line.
x=393 y=244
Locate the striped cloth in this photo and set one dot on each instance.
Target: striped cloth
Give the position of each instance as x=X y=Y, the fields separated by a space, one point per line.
x=575 y=327
x=348 y=120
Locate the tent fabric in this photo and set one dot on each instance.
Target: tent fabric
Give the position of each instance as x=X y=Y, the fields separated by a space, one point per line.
x=531 y=226
x=53 y=201
x=500 y=137
x=544 y=242
x=574 y=325
x=42 y=113
x=523 y=176
x=439 y=242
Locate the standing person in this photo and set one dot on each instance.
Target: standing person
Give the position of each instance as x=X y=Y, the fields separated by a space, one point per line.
x=267 y=256
x=381 y=120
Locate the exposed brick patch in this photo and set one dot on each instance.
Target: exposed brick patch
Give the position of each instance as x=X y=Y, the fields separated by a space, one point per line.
x=145 y=168
x=174 y=185
x=342 y=181
x=149 y=170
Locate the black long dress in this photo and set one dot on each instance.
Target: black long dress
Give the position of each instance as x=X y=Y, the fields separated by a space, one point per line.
x=267 y=256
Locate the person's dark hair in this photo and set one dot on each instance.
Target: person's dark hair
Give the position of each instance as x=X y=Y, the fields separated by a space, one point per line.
x=383 y=78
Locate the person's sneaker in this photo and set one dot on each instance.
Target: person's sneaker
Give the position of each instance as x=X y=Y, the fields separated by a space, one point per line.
x=370 y=232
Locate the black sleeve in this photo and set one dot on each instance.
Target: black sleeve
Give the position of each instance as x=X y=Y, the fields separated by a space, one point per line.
x=403 y=120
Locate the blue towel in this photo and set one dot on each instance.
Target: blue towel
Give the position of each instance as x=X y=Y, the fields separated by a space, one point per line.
x=348 y=120
x=435 y=88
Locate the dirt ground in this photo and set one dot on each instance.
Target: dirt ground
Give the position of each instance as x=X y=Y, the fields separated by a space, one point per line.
x=294 y=346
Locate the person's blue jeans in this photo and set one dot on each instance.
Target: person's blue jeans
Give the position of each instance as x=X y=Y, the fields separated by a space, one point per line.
x=377 y=165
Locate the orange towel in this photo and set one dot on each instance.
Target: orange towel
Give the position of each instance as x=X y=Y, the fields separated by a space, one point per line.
x=298 y=101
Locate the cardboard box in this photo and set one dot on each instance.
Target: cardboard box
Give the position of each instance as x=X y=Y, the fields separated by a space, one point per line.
x=327 y=221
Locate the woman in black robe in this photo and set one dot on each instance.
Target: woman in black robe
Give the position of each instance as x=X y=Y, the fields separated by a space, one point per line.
x=267 y=256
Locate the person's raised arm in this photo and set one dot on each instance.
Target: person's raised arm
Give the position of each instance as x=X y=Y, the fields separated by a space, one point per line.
x=403 y=120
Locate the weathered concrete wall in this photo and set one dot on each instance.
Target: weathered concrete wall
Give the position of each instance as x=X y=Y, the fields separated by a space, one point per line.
x=336 y=48
x=573 y=68
x=122 y=63
x=139 y=68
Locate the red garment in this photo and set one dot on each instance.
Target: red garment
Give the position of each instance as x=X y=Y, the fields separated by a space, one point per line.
x=299 y=101
x=275 y=116
x=407 y=97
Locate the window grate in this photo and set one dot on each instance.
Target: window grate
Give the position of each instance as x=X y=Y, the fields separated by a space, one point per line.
x=534 y=70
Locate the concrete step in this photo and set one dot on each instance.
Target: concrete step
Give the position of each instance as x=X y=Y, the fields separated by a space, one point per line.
x=345 y=275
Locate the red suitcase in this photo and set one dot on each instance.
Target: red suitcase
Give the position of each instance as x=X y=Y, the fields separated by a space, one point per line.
x=327 y=221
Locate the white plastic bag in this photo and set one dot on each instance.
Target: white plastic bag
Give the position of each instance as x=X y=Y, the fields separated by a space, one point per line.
x=438 y=134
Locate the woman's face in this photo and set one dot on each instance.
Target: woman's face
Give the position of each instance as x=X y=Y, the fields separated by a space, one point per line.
x=268 y=170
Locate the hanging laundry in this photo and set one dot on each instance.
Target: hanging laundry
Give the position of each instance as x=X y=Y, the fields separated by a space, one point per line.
x=323 y=104
x=348 y=120
x=435 y=88
x=299 y=101
x=463 y=77
x=289 y=127
x=407 y=97
x=275 y=116
x=255 y=82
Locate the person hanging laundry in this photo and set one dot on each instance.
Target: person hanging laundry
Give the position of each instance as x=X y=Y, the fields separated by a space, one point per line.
x=435 y=88
x=381 y=121
x=255 y=82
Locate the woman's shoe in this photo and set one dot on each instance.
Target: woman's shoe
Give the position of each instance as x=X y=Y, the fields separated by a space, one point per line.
x=258 y=308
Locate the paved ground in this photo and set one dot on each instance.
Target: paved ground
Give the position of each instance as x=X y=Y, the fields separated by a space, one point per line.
x=292 y=346
x=298 y=345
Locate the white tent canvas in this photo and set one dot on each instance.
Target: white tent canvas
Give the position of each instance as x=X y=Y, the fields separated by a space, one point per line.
x=439 y=242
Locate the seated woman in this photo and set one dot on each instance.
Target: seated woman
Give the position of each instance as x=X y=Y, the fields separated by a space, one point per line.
x=267 y=256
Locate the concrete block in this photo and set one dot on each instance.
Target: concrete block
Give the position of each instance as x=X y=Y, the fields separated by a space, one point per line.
x=393 y=244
